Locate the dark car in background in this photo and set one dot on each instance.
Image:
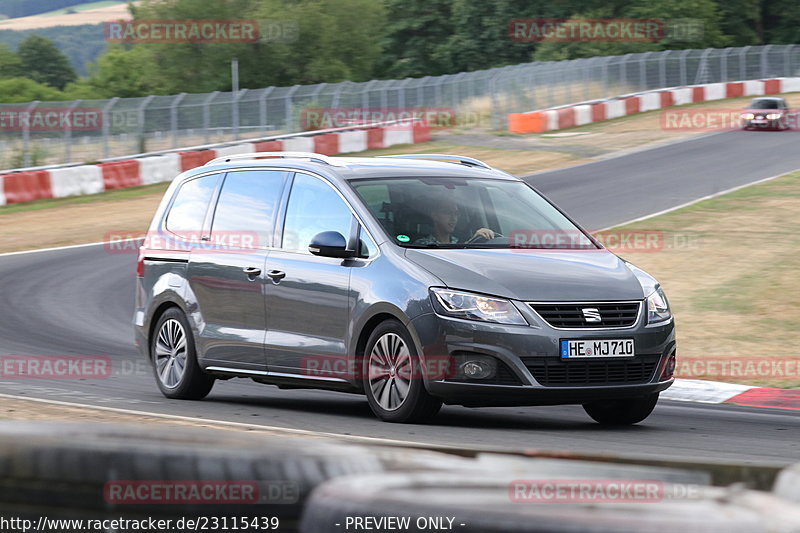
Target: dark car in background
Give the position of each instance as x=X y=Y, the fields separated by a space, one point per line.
x=767 y=112
x=413 y=281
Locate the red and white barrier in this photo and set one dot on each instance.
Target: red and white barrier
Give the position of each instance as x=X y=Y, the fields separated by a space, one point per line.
x=352 y=141
x=585 y=113
x=76 y=181
x=26 y=186
x=695 y=390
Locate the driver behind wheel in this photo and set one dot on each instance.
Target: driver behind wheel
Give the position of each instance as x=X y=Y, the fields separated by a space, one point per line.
x=444 y=213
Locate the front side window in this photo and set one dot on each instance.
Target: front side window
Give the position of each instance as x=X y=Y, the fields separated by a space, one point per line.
x=246 y=207
x=313 y=207
x=444 y=212
x=188 y=211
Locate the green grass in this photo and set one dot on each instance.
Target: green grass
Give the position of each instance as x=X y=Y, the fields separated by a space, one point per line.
x=108 y=196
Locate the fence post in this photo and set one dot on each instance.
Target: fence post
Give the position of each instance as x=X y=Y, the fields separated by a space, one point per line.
x=702 y=69
x=662 y=68
x=365 y=97
x=586 y=64
x=26 y=135
x=683 y=66
x=643 y=71
x=401 y=93
x=173 y=118
x=207 y=115
x=787 y=60
x=107 y=124
x=235 y=108
x=743 y=62
x=262 y=107
x=68 y=131
x=723 y=66
x=141 y=143
x=336 y=93
x=289 y=111
x=495 y=113
x=765 y=61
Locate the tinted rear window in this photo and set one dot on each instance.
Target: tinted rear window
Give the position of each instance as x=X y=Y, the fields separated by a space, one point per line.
x=189 y=208
x=247 y=204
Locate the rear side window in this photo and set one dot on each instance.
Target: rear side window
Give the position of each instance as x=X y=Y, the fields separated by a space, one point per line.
x=246 y=207
x=188 y=211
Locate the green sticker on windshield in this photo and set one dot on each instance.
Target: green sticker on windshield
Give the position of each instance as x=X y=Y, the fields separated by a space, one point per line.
x=403 y=238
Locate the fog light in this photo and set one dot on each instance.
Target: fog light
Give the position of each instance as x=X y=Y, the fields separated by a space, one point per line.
x=669 y=368
x=476 y=366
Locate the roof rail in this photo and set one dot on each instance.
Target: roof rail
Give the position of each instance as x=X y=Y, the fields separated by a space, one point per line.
x=469 y=161
x=317 y=158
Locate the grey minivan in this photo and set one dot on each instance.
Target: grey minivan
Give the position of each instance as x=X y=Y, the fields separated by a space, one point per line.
x=416 y=280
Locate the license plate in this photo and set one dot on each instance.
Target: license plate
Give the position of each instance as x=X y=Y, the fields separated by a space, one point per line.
x=757 y=121
x=597 y=348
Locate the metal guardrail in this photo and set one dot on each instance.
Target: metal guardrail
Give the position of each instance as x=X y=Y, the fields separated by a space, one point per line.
x=122 y=126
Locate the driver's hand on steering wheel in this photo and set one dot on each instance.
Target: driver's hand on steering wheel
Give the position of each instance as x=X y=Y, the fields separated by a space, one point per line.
x=486 y=233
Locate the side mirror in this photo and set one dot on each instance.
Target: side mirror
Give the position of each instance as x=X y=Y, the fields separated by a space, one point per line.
x=330 y=244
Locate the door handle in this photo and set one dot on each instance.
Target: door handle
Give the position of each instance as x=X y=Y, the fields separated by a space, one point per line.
x=252 y=272
x=276 y=275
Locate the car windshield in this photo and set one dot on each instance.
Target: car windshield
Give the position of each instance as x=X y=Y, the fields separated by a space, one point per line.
x=764 y=104
x=443 y=212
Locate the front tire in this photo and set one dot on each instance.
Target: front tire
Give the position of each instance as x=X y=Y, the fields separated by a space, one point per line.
x=621 y=412
x=174 y=359
x=393 y=377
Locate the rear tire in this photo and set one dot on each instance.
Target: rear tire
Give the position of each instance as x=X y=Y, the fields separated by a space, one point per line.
x=393 y=377
x=621 y=412
x=174 y=359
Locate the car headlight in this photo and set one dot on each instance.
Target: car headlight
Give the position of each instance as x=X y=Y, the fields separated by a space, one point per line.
x=748 y=116
x=471 y=306
x=658 y=307
x=773 y=116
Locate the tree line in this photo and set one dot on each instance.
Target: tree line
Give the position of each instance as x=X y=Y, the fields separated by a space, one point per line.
x=359 y=40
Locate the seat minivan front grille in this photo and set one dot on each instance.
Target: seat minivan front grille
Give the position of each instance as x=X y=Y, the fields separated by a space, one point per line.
x=555 y=372
x=588 y=315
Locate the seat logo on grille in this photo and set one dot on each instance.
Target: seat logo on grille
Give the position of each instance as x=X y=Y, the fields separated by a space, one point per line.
x=591 y=314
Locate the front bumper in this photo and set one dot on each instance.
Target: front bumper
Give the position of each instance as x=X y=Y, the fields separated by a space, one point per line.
x=523 y=352
x=764 y=124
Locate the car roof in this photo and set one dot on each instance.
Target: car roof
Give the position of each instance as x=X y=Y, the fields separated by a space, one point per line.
x=767 y=98
x=350 y=168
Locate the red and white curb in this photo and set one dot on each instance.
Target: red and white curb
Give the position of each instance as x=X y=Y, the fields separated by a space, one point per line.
x=581 y=113
x=714 y=392
x=26 y=186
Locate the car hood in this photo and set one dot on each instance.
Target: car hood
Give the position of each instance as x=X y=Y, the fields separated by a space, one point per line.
x=533 y=275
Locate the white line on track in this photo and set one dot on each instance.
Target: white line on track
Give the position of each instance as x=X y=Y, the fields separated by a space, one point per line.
x=227 y=423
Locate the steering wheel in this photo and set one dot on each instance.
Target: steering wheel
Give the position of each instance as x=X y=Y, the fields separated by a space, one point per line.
x=480 y=238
